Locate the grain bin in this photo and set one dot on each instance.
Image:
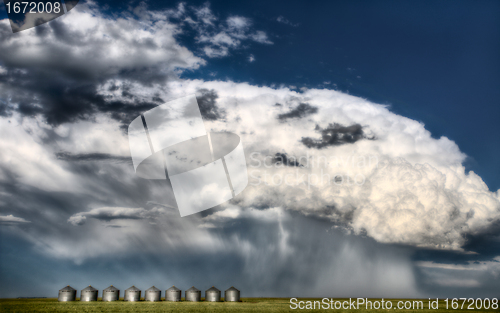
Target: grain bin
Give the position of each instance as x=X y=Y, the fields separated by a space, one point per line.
x=88 y=294
x=193 y=294
x=132 y=294
x=212 y=294
x=67 y=294
x=173 y=294
x=232 y=295
x=152 y=294
x=110 y=294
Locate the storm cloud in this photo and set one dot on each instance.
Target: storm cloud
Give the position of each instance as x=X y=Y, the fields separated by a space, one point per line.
x=302 y=110
x=333 y=135
x=62 y=85
x=283 y=158
x=207 y=102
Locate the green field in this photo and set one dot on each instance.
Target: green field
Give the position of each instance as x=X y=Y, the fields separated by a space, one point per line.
x=246 y=305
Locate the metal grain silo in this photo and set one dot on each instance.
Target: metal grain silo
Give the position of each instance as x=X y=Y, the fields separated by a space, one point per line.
x=193 y=294
x=173 y=294
x=132 y=294
x=88 y=294
x=67 y=294
x=212 y=294
x=110 y=294
x=232 y=295
x=152 y=294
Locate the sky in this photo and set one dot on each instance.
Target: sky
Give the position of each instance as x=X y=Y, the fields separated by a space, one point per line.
x=370 y=131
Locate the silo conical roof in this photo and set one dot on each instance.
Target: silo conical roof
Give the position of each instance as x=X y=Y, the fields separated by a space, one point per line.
x=133 y=288
x=192 y=289
x=89 y=288
x=111 y=288
x=68 y=288
x=153 y=288
x=213 y=289
x=232 y=289
x=173 y=288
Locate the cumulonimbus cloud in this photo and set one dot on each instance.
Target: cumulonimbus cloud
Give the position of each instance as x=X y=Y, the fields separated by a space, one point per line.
x=388 y=179
x=404 y=187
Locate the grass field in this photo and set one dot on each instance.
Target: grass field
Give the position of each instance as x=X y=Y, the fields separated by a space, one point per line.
x=246 y=305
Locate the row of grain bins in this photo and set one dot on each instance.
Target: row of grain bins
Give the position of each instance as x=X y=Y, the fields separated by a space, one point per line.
x=133 y=293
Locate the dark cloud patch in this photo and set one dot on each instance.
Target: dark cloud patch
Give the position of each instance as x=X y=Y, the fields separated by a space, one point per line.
x=340 y=218
x=4 y=109
x=126 y=112
x=283 y=158
x=92 y=157
x=480 y=246
x=335 y=135
x=127 y=94
x=158 y=99
x=57 y=99
x=110 y=216
x=61 y=100
x=207 y=101
x=486 y=242
x=63 y=84
x=28 y=109
x=64 y=103
x=113 y=87
x=302 y=110
x=62 y=33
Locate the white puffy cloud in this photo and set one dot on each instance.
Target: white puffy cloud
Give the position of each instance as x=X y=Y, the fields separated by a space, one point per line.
x=218 y=52
x=85 y=42
x=204 y=14
x=77 y=219
x=401 y=186
x=398 y=185
x=261 y=37
x=238 y=22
